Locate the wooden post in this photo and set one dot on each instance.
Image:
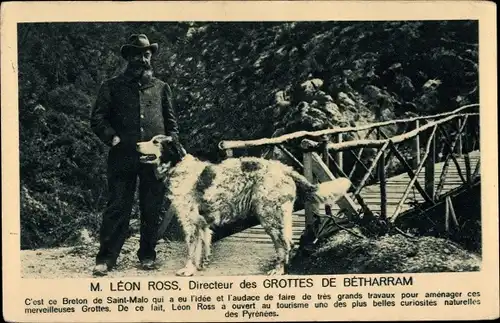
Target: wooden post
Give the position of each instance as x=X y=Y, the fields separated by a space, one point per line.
x=339 y=156
x=452 y=213
x=323 y=174
x=229 y=153
x=382 y=182
x=447 y=216
x=308 y=173
x=326 y=159
x=459 y=147
x=429 y=169
x=468 y=149
x=477 y=170
x=381 y=177
x=416 y=147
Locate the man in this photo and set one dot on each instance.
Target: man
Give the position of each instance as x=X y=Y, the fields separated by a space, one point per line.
x=132 y=107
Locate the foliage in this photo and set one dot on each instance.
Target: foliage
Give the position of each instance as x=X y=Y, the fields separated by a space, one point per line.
x=387 y=254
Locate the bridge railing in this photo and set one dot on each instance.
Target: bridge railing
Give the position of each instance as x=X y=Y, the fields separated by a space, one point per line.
x=379 y=150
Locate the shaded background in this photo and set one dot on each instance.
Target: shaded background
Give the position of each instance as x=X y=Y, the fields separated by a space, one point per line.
x=230 y=81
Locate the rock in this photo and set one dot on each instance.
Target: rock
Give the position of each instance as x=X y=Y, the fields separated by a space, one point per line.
x=316 y=113
x=318 y=83
x=405 y=85
x=396 y=67
x=280 y=104
x=302 y=106
x=345 y=86
x=280 y=100
x=345 y=100
x=386 y=114
x=371 y=75
x=290 y=115
x=332 y=111
x=328 y=98
x=308 y=89
x=313 y=118
x=373 y=92
x=431 y=85
x=428 y=101
x=322 y=97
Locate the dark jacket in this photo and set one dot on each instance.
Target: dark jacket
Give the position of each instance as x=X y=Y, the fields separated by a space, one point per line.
x=135 y=112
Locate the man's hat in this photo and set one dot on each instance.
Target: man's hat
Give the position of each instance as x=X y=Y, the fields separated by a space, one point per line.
x=138 y=42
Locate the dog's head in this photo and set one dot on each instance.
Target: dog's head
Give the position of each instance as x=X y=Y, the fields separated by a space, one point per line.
x=161 y=149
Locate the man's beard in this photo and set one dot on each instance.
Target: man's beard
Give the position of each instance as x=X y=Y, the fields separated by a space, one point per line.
x=144 y=72
x=138 y=67
x=146 y=75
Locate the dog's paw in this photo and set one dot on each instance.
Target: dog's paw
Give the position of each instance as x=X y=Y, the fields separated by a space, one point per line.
x=186 y=272
x=205 y=262
x=276 y=271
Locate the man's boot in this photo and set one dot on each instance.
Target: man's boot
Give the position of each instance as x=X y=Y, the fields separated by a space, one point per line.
x=101 y=270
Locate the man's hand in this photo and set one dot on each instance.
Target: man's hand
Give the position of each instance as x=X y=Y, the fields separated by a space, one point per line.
x=115 y=141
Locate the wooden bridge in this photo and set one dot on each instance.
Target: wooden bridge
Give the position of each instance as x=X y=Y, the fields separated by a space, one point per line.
x=400 y=169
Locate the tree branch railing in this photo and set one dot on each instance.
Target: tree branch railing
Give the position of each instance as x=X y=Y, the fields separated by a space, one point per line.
x=376 y=143
x=234 y=144
x=428 y=152
x=323 y=159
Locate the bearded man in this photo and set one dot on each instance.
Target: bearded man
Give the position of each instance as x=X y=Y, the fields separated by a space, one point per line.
x=132 y=107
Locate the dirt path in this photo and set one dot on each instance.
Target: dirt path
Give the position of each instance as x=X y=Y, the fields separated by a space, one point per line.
x=228 y=258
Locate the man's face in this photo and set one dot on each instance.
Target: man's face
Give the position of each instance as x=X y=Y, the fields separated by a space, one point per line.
x=140 y=60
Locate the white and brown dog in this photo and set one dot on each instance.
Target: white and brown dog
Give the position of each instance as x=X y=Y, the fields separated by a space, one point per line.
x=204 y=194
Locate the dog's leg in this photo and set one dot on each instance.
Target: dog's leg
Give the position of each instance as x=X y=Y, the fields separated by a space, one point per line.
x=192 y=237
x=207 y=246
x=198 y=253
x=278 y=224
x=279 y=245
x=287 y=209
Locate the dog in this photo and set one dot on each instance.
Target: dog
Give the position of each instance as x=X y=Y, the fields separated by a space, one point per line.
x=203 y=194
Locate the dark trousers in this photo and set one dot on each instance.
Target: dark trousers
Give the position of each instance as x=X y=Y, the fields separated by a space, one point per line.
x=116 y=217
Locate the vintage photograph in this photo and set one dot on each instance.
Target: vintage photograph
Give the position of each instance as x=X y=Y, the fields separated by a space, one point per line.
x=213 y=148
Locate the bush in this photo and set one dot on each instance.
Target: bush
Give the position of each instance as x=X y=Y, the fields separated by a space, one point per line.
x=345 y=253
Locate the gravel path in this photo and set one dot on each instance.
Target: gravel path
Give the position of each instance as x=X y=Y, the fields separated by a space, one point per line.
x=228 y=258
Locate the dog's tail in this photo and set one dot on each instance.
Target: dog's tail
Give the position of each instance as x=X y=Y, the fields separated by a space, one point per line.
x=321 y=193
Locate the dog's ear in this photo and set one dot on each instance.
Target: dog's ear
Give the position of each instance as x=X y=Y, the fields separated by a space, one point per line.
x=166 y=150
x=172 y=150
x=181 y=152
x=162 y=138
